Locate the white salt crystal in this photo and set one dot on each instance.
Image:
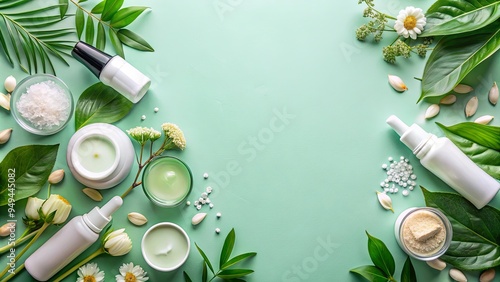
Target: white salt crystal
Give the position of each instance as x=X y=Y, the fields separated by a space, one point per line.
x=45 y=105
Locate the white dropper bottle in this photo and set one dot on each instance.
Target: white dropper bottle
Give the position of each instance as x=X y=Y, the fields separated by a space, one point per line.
x=74 y=238
x=448 y=162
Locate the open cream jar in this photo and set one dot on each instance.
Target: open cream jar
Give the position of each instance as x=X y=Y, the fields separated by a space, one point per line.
x=423 y=233
x=100 y=155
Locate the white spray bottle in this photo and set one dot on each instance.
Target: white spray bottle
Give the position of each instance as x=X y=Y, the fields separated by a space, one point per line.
x=74 y=238
x=446 y=161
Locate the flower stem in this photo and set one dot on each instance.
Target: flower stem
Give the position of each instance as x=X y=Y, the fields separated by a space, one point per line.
x=18 y=256
x=18 y=241
x=21 y=267
x=98 y=252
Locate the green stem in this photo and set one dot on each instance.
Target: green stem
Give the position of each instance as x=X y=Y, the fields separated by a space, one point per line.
x=18 y=256
x=24 y=237
x=21 y=267
x=98 y=252
x=377 y=11
x=48 y=190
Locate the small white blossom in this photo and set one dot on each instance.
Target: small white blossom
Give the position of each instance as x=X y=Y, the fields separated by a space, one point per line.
x=129 y=272
x=60 y=205
x=32 y=207
x=90 y=272
x=410 y=22
x=117 y=243
x=176 y=136
x=143 y=134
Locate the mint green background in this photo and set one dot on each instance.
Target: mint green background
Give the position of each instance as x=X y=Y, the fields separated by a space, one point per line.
x=286 y=111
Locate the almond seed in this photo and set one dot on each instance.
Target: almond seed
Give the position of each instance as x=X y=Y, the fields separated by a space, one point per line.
x=471 y=107
x=7 y=229
x=5 y=135
x=437 y=264
x=463 y=89
x=197 y=218
x=484 y=119
x=432 y=111
x=493 y=94
x=397 y=83
x=93 y=194
x=448 y=100
x=137 y=218
x=457 y=275
x=487 y=275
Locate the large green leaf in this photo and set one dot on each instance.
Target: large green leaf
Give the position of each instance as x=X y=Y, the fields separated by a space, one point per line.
x=227 y=248
x=380 y=255
x=408 y=273
x=100 y=103
x=133 y=40
x=126 y=16
x=26 y=169
x=110 y=8
x=234 y=273
x=453 y=58
x=476 y=233
x=447 y=17
x=481 y=143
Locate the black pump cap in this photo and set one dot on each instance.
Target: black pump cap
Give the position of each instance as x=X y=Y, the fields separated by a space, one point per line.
x=95 y=60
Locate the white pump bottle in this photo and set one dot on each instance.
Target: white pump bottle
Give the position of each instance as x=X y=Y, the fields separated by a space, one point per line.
x=74 y=238
x=446 y=161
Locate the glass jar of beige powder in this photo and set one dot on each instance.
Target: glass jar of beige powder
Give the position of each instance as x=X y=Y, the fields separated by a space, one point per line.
x=423 y=233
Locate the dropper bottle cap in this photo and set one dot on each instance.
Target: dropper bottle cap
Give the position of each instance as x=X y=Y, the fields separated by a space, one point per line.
x=412 y=136
x=98 y=218
x=95 y=60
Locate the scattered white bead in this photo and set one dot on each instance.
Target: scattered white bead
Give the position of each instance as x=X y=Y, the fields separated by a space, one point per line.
x=208 y=201
x=399 y=172
x=390 y=159
x=188 y=203
x=209 y=189
x=143 y=117
x=156 y=109
x=384 y=166
x=218 y=215
x=211 y=205
x=411 y=188
x=205 y=175
x=196 y=203
x=217 y=230
x=198 y=207
x=405 y=192
x=204 y=195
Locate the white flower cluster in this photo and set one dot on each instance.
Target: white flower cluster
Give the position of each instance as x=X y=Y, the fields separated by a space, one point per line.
x=176 y=135
x=143 y=134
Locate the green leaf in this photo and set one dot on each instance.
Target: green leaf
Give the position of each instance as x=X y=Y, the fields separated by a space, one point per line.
x=89 y=31
x=133 y=40
x=205 y=258
x=204 y=273
x=101 y=37
x=32 y=166
x=380 y=255
x=100 y=103
x=370 y=273
x=79 y=23
x=476 y=233
x=234 y=273
x=237 y=259
x=117 y=44
x=447 y=17
x=110 y=9
x=481 y=143
x=186 y=277
x=227 y=248
x=98 y=8
x=126 y=16
x=453 y=58
x=408 y=273
x=63 y=8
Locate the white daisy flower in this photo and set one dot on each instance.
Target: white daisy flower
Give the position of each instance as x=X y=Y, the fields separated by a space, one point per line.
x=410 y=22
x=90 y=273
x=131 y=273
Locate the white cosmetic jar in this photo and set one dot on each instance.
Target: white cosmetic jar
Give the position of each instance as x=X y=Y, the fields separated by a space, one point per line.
x=100 y=155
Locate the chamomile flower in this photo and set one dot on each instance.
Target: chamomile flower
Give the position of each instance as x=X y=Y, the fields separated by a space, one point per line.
x=131 y=273
x=410 y=22
x=90 y=273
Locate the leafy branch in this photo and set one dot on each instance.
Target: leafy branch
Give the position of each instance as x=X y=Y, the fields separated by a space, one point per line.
x=109 y=18
x=384 y=265
x=30 y=39
x=225 y=272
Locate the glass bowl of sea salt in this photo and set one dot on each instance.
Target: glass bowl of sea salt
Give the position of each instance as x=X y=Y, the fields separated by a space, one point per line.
x=42 y=104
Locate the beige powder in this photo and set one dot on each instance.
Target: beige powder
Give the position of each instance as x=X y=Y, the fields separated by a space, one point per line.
x=423 y=233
